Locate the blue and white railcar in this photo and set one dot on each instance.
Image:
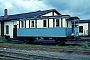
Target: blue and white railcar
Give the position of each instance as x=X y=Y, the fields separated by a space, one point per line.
x=46 y=27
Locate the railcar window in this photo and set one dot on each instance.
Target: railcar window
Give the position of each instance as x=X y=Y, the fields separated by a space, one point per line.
x=61 y=22
x=44 y=23
x=29 y=23
x=7 y=29
x=57 y=22
x=67 y=23
x=23 y=24
x=81 y=29
x=32 y=23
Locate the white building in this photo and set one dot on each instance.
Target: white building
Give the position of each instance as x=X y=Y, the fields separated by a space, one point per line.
x=10 y=23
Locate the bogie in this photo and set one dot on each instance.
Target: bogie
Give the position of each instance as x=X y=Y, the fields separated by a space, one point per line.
x=60 y=41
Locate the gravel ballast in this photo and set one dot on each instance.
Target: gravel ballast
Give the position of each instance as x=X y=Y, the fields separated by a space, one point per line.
x=62 y=55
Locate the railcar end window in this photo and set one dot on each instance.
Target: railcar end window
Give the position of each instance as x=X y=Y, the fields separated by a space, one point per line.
x=7 y=29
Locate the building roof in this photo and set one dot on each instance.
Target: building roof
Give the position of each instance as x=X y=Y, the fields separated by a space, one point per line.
x=28 y=15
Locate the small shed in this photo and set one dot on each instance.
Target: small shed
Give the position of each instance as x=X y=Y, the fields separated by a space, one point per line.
x=84 y=27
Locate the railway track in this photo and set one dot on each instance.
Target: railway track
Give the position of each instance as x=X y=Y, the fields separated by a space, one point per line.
x=17 y=55
x=11 y=55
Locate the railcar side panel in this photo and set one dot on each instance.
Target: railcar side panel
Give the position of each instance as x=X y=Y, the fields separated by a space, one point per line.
x=43 y=32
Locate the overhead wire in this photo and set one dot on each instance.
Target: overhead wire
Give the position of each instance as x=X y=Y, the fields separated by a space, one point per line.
x=37 y=4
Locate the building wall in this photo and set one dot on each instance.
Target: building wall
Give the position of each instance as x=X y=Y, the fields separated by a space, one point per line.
x=55 y=13
x=89 y=29
x=50 y=14
x=11 y=26
x=85 y=28
x=0 y=28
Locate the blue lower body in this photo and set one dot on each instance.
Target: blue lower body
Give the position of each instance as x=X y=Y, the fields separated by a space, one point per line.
x=44 y=32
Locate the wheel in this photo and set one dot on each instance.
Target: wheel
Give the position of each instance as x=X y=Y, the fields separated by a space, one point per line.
x=60 y=42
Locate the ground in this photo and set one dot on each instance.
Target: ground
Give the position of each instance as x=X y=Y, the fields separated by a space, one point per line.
x=64 y=52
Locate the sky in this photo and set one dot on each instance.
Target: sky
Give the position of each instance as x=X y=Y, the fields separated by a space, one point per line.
x=80 y=8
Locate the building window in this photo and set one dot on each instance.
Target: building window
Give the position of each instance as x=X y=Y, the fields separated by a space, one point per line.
x=57 y=22
x=81 y=29
x=44 y=23
x=7 y=29
x=15 y=26
x=32 y=23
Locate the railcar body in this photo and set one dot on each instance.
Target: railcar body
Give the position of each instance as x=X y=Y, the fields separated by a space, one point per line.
x=60 y=30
